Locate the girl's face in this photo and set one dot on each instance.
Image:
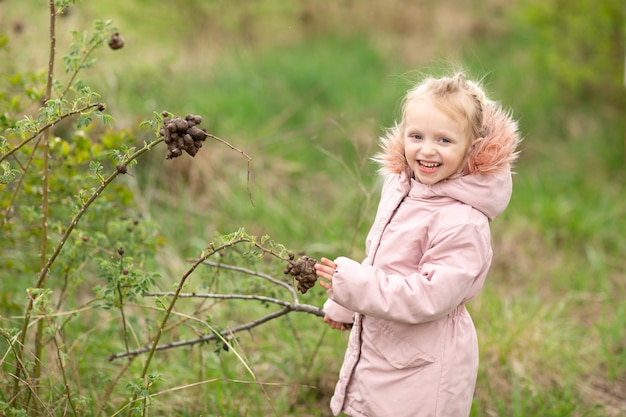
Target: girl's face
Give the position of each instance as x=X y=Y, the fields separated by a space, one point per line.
x=435 y=144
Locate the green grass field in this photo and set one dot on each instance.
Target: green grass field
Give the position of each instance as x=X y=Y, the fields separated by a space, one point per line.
x=305 y=89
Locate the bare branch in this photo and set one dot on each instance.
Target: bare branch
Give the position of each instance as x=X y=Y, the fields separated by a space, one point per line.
x=305 y=308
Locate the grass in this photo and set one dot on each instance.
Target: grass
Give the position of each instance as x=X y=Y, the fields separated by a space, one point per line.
x=307 y=103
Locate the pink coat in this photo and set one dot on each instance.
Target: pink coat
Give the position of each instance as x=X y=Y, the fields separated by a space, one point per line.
x=413 y=349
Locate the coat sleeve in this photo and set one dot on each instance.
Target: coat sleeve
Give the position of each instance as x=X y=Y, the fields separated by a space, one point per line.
x=338 y=313
x=449 y=273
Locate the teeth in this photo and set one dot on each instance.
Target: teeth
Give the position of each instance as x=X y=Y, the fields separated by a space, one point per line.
x=429 y=164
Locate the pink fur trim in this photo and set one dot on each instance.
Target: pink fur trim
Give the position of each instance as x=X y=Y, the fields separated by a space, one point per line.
x=391 y=157
x=497 y=151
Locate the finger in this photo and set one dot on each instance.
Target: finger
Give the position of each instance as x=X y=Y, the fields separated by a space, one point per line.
x=325 y=278
x=324 y=271
x=328 y=263
x=333 y=324
x=325 y=285
x=328 y=275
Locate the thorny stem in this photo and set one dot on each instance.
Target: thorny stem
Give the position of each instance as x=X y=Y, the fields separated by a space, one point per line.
x=121 y=300
x=125 y=330
x=45 y=170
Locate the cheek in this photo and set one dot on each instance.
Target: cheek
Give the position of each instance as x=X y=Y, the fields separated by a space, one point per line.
x=461 y=157
x=410 y=148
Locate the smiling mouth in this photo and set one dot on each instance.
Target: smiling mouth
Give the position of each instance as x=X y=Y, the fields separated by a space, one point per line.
x=429 y=164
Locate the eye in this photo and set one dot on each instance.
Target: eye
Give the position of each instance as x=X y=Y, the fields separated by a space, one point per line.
x=445 y=140
x=416 y=136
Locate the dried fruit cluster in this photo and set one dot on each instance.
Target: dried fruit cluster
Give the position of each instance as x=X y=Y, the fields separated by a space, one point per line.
x=303 y=270
x=182 y=134
x=116 y=41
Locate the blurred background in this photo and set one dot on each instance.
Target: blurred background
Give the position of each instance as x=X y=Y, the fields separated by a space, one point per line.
x=305 y=88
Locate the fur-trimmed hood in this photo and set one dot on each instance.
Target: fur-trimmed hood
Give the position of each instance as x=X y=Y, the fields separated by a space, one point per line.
x=494 y=154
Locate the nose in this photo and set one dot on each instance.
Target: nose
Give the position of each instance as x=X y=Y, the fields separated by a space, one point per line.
x=428 y=148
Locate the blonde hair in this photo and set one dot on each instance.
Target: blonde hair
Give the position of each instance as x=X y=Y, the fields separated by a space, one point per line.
x=460 y=98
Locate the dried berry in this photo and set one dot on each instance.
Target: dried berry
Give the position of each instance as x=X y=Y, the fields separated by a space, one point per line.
x=120 y=251
x=116 y=41
x=303 y=270
x=196 y=133
x=181 y=125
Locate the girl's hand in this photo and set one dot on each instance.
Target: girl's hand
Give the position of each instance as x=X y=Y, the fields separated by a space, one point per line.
x=336 y=325
x=325 y=270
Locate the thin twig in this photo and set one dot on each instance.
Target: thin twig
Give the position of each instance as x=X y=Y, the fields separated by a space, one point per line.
x=248 y=157
x=256 y=274
x=18 y=186
x=237 y=381
x=66 y=385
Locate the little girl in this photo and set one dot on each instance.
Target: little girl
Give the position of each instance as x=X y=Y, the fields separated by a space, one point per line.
x=413 y=349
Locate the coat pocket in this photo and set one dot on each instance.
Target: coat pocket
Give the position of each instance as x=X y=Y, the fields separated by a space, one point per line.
x=399 y=352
